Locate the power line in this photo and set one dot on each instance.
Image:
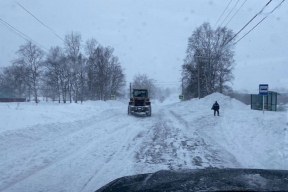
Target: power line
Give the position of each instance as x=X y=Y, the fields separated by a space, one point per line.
x=15 y=30
x=167 y=81
x=7 y=26
x=235 y=13
x=41 y=22
x=222 y=13
x=249 y=22
x=20 y=34
x=259 y=22
x=229 y=12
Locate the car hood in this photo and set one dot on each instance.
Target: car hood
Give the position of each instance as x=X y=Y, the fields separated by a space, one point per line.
x=212 y=179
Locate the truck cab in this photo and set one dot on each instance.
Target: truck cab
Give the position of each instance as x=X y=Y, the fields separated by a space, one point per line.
x=139 y=102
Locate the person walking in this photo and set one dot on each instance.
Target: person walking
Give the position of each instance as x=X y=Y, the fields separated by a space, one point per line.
x=216 y=108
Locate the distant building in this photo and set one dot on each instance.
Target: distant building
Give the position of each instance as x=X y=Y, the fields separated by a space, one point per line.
x=8 y=98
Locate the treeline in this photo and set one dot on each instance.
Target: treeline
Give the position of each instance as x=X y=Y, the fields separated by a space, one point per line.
x=64 y=74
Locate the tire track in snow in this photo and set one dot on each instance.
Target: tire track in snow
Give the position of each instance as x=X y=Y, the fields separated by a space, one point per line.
x=123 y=153
x=160 y=146
x=47 y=150
x=95 y=173
x=206 y=152
x=103 y=147
x=173 y=144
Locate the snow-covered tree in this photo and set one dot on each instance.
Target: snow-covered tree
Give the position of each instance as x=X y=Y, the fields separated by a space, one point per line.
x=209 y=61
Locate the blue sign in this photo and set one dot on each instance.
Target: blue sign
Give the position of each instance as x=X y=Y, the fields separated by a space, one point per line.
x=263 y=89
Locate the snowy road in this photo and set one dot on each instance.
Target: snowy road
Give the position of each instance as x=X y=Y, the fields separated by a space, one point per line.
x=90 y=150
x=88 y=147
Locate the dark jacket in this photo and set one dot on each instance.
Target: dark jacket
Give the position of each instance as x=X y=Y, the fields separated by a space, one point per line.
x=216 y=106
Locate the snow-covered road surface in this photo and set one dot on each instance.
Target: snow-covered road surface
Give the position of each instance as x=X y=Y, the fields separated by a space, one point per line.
x=74 y=147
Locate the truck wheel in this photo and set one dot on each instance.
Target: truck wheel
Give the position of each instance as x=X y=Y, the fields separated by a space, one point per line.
x=129 y=111
x=149 y=112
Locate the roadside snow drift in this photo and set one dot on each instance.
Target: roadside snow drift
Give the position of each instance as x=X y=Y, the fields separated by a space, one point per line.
x=81 y=147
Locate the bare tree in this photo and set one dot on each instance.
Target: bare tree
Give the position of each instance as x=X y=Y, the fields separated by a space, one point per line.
x=65 y=73
x=72 y=49
x=91 y=45
x=209 y=62
x=105 y=74
x=116 y=78
x=31 y=57
x=55 y=74
x=73 y=45
x=143 y=81
x=81 y=78
x=13 y=81
x=90 y=48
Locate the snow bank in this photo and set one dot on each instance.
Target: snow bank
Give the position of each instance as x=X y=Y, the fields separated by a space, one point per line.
x=18 y=115
x=207 y=102
x=257 y=140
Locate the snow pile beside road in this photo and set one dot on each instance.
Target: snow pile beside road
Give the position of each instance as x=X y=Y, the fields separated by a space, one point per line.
x=226 y=101
x=18 y=115
x=54 y=147
x=257 y=140
x=207 y=102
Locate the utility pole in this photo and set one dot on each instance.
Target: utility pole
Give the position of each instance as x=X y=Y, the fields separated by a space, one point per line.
x=182 y=86
x=198 y=80
x=200 y=59
x=130 y=90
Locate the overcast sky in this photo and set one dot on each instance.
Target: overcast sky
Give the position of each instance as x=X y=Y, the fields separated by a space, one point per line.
x=151 y=36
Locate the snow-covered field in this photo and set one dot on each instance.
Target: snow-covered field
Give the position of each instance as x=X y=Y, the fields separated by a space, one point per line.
x=81 y=147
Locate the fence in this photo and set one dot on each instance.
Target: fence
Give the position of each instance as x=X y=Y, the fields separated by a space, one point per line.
x=12 y=99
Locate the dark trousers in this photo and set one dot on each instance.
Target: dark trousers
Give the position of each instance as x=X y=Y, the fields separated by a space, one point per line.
x=215 y=112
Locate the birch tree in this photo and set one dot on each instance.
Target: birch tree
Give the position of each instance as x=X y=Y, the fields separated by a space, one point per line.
x=72 y=49
x=105 y=74
x=209 y=61
x=56 y=75
x=31 y=57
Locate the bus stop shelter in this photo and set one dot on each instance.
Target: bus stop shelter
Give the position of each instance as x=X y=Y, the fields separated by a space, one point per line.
x=270 y=101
